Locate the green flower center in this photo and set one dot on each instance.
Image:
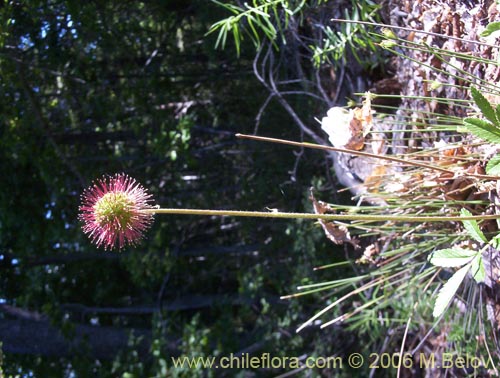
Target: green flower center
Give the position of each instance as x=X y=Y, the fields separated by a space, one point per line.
x=114 y=208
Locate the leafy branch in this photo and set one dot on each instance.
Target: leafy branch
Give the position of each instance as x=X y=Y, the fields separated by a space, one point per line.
x=351 y=34
x=258 y=18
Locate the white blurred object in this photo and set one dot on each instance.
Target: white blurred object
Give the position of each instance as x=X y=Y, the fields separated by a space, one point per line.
x=337 y=125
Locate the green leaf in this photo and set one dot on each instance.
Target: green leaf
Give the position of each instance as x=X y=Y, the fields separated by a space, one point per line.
x=472 y=227
x=497 y=111
x=237 y=40
x=484 y=105
x=495 y=242
x=493 y=166
x=483 y=129
x=452 y=257
x=448 y=290
x=477 y=268
x=490 y=29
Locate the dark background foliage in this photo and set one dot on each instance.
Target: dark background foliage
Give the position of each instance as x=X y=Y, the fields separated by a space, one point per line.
x=93 y=88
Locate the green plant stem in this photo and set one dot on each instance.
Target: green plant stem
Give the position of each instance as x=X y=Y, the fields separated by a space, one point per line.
x=328 y=217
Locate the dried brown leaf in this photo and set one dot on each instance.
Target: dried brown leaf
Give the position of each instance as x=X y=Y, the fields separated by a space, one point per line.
x=339 y=234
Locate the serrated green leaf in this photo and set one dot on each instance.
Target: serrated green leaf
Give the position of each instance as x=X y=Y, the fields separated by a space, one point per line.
x=477 y=269
x=449 y=290
x=484 y=105
x=483 y=129
x=497 y=111
x=490 y=29
x=493 y=166
x=452 y=257
x=472 y=227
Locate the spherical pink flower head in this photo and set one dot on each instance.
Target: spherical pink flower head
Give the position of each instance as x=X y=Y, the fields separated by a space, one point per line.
x=112 y=211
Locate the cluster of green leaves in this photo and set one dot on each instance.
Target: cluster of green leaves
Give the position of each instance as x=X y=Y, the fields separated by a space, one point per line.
x=354 y=36
x=269 y=19
x=263 y=18
x=467 y=259
x=487 y=129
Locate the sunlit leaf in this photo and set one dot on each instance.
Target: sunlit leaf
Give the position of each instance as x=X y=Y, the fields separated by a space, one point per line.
x=493 y=166
x=484 y=105
x=452 y=257
x=483 y=129
x=472 y=227
x=495 y=242
x=448 y=290
x=490 y=29
x=477 y=269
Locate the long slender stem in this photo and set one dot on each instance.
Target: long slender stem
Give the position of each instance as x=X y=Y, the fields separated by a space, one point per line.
x=362 y=153
x=328 y=217
x=337 y=149
x=414 y=30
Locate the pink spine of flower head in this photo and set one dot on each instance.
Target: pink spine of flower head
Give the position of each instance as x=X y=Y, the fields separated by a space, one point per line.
x=112 y=211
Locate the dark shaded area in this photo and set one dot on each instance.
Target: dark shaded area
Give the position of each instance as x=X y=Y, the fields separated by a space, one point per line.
x=42 y=339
